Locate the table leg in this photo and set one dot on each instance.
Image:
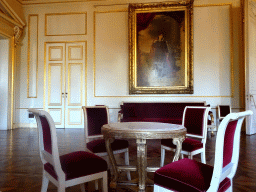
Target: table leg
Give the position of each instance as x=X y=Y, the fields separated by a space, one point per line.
x=178 y=143
x=112 y=159
x=142 y=163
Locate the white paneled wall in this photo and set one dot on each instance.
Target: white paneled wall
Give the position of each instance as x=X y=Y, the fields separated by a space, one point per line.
x=104 y=26
x=4 y=68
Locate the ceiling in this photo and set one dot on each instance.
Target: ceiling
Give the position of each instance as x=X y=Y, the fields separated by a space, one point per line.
x=26 y=2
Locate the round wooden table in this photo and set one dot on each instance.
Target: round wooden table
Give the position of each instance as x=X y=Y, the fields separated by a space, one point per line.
x=141 y=131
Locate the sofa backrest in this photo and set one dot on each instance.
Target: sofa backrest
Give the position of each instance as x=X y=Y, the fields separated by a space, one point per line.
x=156 y=109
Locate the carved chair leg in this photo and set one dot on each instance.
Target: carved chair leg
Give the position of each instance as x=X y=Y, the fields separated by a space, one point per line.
x=178 y=143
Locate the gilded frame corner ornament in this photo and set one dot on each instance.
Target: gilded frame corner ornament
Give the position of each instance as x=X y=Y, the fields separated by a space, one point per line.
x=161 y=48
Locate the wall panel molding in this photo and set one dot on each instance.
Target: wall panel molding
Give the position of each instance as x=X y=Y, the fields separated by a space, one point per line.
x=109 y=57
x=65 y=24
x=111 y=54
x=32 y=73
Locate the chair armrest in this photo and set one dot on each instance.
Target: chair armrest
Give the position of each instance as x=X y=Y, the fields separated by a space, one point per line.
x=120 y=116
x=210 y=114
x=211 y=117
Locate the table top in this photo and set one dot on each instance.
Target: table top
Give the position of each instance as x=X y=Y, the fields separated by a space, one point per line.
x=143 y=130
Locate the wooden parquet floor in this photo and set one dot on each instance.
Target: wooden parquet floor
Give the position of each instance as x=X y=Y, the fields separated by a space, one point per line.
x=21 y=167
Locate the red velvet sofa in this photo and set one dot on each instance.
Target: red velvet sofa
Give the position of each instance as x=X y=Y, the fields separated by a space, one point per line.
x=165 y=112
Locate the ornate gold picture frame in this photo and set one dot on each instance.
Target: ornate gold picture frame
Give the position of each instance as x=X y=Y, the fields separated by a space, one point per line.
x=161 y=48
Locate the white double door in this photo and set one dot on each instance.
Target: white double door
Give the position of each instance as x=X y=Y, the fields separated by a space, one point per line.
x=65 y=83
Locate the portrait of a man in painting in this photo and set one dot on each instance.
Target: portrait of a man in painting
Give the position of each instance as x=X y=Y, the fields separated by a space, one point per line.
x=160 y=45
x=160 y=48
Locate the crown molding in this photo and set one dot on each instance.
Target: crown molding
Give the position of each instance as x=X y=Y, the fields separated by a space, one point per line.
x=29 y=2
x=12 y=11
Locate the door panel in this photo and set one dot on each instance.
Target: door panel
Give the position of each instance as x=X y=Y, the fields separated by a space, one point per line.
x=55 y=84
x=75 y=52
x=56 y=53
x=57 y=116
x=74 y=116
x=65 y=83
x=75 y=81
x=75 y=78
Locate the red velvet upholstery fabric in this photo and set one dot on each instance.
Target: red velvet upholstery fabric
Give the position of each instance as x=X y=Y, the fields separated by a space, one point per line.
x=162 y=120
x=224 y=185
x=155 y=112
x=228 y=142
x=187 y=145
x=78 y=164
x=143 y=20
x=224 y=110
x=46 y=134
x=184 y=175
x=96 y=118
x=187 y=175
x=194 y=119
x=98 y=146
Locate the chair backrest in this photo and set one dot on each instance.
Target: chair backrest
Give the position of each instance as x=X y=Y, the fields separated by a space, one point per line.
x=223 y=110
x=195 y=120
x=227 y=148
x=47 y=135
x=94 y=118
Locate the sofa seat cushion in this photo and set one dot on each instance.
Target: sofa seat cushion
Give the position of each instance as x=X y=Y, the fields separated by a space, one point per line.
x=187 y=145
x=98 y=146
x=78 y=164
x=187 y=175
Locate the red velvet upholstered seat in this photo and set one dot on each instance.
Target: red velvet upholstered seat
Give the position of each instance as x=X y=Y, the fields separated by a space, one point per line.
x=195 y=119
x=78 y=164
x=98 y=146
x=70 y=169
x=189 y=175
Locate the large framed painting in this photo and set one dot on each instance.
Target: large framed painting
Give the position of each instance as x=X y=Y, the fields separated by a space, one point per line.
x=161 y=48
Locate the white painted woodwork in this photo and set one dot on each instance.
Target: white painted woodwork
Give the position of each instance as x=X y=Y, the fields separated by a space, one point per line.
x=111 y=54
x=212 y=39
x=4 y=68
x=65 y=84
x=250 y=67
x=65 y=24
x=55 y=86
x=32 y=56
x=15 y=9
x=212 y=51
x=107 y=70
